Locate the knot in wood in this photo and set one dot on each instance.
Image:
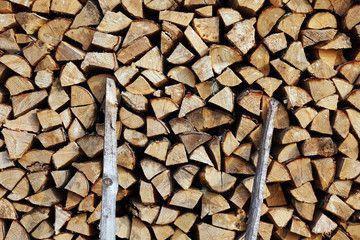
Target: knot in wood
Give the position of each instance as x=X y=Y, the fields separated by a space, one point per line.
x=107 y=181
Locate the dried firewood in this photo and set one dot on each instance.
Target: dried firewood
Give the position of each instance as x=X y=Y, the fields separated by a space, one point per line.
x=16 y=230
x=186 y=198
x=212 y=203
x=113 y=22
x=46 y=198
x=216 y=180
x=89 y=15
x=322 y=224
x=299 y=227
x=184 y=176
x=140 y=86
x=79 y=224
x=180 y=18
x=276 y=42
x=305 y=210
x=267 y=20
x=180 y=55
x=349 y=147
x=260 y=58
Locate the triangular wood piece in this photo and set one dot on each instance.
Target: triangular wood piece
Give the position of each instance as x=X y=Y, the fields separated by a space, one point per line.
x=151 y=60
x=158 y=149
x=224 y=99
x=176 y=155
x=71 y=75
x=189 y=103
x=91 y=169
x=200 y=155
x=61 y=217
x=25 y=102
x=88 y=16
x=223 y=56
x=192 y=140
x=17 y=142
x=27 y=122
x=296 y=56
x=206 y=118
x=235 y=165
x=85 y=114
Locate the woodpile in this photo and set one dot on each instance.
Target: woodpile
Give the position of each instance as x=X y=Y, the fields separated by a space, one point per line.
x=194 y=82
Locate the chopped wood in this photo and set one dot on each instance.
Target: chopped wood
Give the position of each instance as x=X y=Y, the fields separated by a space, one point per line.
x=208 y=28
x=176 y=92
x=260 y=58
x=248 y=8
x=97 y=60
x=27 y=122
x=183 y=63
x=176 y=155
x=180 y=55
x=151 y=60
x=113 y=22
x=276 y=42
x=207 y=231
x=267 y=20
x=336 y=206
x=66 y=155
x=78 y=184
x=206 y=11
x=170 y=36
x=348 y=168
x=16 y=230
x=304 y=193
x=67 y=52
x=180 y=18
x=139 y=28
x=139 y=230
x=325 y=171
x=184 y=176
x=323 y=146
x=79 y=224
x=200 y=155
x=20 y=142
x=305 y=210
x=340 y=188
x=229 y=16
x=46 y=198
x=296 y=56
x=134 y=50
x=299 y=227
x=349 y=147
x=82 y=35
x=321 y=123
x=340 y=41
x=300 y=167
x=216 y=180
x=162 y=184
x=8 y=41
x=185 y=221
x=186 y=198
x=212 y=203
x=323 y=224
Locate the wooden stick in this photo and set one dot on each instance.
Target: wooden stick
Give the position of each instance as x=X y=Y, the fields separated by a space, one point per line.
x=260 y=175
x=110 y=178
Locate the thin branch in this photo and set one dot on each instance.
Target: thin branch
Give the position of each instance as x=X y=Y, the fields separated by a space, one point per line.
x=110 y=178
x=260 y=175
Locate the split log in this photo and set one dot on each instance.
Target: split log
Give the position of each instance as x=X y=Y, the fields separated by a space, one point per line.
x=181 y=71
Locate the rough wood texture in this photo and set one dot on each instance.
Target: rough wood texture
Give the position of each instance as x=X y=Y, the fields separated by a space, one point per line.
x=260 y=175
x=194 y=80
x=110 y=175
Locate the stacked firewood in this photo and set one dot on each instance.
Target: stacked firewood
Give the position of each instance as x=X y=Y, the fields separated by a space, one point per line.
x=194 y=80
